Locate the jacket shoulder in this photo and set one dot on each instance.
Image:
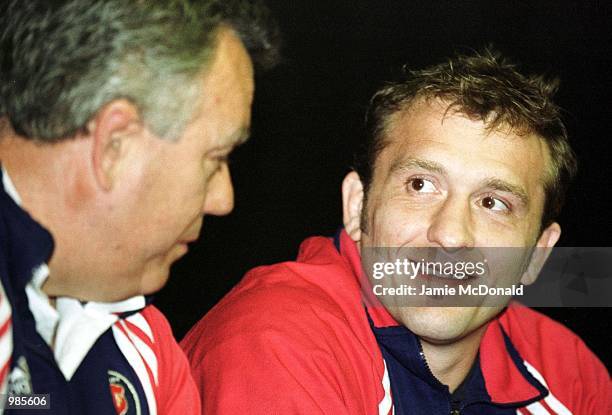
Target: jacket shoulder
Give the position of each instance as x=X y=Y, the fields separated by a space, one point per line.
x=298 y=302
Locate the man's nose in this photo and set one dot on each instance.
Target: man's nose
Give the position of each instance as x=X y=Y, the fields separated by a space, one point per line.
x=220 y=193
x=451 y=225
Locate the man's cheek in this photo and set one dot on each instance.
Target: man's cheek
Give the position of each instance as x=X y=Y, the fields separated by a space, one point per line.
x=405 y=226
x=384 y=233
x=491 y=234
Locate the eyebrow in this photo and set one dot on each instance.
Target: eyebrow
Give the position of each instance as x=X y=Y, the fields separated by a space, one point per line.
x=434 y=167
x=410 y=163
x=240 y=136
x=504 y=186
x=232 y=141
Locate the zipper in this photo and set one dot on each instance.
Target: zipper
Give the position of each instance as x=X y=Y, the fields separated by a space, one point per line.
x=455 y=410
x=422 y=356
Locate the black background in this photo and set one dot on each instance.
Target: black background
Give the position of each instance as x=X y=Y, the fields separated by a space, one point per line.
x=308 y=115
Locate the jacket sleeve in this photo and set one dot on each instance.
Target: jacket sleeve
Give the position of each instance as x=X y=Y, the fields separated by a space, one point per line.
x=176 y=390
x=271 y=373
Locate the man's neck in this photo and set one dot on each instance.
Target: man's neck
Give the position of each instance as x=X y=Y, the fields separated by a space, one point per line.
x=451 y=363
x=37 y=181
x=27 y=164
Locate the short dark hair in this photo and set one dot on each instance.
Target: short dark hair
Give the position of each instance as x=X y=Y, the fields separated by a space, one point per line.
x=483 y=86
x=61 y=61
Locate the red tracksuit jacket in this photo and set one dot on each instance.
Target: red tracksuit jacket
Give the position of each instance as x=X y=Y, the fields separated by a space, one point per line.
x=294 y=338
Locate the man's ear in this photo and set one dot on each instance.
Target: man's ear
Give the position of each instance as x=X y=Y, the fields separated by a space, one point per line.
x=352 y=204
x=110 y=129
x=544 y=246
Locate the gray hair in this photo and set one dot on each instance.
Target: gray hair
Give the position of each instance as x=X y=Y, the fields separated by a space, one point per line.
x=61 y=61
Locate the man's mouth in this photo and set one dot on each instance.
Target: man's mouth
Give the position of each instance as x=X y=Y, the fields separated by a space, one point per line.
x=463 y=277
x=446 y=279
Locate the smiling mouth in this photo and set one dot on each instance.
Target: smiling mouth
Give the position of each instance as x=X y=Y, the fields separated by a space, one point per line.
x=447 y=278
x=465 y=277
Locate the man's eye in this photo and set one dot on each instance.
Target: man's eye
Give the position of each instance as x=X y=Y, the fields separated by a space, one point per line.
x=494 y=204
x=421 y=185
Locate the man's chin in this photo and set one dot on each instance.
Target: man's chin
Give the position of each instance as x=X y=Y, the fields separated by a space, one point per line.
x=158 y=272
x=438 y=325
x=154 y=282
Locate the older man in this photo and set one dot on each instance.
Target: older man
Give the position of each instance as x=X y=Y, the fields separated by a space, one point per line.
x=118 y=119
x=464 y=155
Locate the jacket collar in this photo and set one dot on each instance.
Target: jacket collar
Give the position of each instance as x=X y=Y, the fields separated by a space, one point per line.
x=27 y=244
